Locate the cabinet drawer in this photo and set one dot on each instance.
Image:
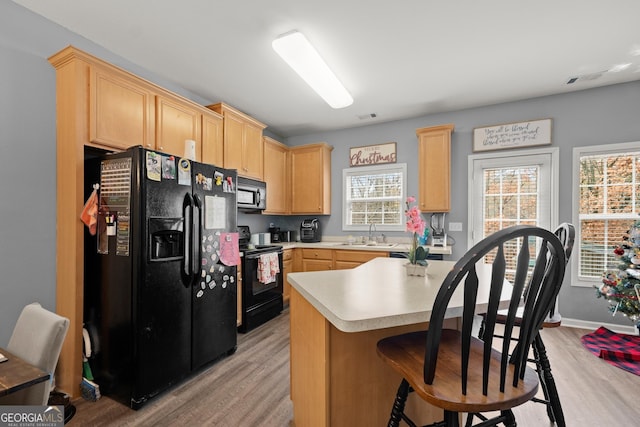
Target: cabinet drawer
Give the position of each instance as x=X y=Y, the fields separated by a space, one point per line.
x=317 y=254
x=287 y=254
x=359 y=256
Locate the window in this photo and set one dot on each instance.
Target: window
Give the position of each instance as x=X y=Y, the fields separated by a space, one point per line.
x=606 y=203
x=374 y=194
x=512 y=188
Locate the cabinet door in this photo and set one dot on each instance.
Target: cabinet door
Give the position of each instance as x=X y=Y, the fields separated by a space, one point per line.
x=175 y=123
x=311 y=179
x=120 y=111
x=276 y=160
x=345 y=265
x=316 y=264
x=287 y=266
x=434 y=168
x=233 y=146
x=253 y=152
x=212 y=142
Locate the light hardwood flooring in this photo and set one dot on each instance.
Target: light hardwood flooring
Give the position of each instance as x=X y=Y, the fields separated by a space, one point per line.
x=251 y=388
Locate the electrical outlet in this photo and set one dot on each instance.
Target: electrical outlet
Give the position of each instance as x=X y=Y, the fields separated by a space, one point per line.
x=455 y=226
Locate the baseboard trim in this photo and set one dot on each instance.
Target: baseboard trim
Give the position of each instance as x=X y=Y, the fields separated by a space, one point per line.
x=584 y=324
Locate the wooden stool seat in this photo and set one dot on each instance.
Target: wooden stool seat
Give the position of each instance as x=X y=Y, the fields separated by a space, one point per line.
x=405 y=353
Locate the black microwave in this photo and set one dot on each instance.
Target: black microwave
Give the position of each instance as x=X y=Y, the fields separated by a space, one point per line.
x=251 y=194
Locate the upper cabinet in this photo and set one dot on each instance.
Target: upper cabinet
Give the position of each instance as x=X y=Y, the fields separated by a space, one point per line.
x=243 y=144
x=311 y=179
x=212 y=138
x=121 y=110
x=434 y=168
x=276 y=175
x=177 y=121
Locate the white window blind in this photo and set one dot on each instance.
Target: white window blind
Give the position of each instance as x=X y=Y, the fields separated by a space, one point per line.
x=608 y=189
x=374 y=195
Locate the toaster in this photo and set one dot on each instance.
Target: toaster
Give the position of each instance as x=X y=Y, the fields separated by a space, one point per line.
x=310 y=230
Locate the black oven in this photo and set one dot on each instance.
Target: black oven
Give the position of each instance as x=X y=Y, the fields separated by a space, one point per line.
x=261 y=292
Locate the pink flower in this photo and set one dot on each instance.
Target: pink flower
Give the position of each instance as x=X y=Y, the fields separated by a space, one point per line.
x=415 y=223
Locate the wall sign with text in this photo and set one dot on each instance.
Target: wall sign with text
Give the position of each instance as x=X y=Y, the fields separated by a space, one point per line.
x=512 y=135
x=372 y=154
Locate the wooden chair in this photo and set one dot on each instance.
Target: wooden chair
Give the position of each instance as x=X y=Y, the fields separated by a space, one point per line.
x=566 y=233
x=460 y=373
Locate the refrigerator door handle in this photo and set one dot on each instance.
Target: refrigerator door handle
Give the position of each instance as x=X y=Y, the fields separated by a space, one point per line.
x=187 y=211
x=197 y=234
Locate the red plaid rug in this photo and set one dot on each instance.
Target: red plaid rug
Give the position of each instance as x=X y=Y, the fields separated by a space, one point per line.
x=621 y=350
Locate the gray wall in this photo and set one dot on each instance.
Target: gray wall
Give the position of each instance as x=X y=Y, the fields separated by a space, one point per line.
x=27 y=144
x=590 y=117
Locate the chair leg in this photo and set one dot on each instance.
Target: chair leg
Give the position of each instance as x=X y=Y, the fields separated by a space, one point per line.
x=451 y=419
x=548 y=383
x=398 y=404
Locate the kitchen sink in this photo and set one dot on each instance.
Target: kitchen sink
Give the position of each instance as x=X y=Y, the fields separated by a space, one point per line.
x=365 y=245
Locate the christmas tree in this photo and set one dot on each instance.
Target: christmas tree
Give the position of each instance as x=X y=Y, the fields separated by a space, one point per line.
x=621 y=287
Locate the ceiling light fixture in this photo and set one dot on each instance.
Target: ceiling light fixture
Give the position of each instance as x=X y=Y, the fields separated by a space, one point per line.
x=295 y=50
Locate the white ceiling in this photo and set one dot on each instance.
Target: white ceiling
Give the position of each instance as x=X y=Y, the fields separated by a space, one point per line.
x=398 y=59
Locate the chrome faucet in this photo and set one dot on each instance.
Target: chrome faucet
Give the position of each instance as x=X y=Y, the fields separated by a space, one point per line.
x=371 y=224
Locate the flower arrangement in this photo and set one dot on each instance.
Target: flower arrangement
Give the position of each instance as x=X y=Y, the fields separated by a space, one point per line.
x=416 y=225
x=621 y=287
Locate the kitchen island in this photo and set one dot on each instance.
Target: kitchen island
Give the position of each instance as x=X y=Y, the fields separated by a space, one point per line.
x=337 y=317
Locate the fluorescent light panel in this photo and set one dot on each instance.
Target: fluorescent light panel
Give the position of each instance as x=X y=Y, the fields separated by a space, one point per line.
x=296 y=51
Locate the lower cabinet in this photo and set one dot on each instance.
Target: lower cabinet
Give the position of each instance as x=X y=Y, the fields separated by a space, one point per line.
x=312 y=259
x=345 y=259
x=287 y=266
x=317 y=259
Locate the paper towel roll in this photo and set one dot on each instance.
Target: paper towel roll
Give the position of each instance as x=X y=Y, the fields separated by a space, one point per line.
x=190 y=149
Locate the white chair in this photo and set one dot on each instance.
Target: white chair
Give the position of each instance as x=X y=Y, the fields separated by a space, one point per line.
x=37 y=338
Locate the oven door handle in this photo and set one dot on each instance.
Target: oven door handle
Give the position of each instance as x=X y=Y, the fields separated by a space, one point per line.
x=256 y=256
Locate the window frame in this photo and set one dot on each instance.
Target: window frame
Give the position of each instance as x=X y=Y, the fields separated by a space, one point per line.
x=521 y=158
x=578 y=152
x=372 y=170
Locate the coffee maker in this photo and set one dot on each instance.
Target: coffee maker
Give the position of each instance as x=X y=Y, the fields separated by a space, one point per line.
x=275 y=234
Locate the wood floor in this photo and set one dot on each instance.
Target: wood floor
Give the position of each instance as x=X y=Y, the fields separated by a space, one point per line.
x=251 y=388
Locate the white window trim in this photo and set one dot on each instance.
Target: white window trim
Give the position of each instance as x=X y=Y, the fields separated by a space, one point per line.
x=578 y=152
x=502 y=158
x=372 y=169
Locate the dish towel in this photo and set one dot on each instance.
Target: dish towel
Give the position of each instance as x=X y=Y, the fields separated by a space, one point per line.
x=89 y=213
x=268 y=267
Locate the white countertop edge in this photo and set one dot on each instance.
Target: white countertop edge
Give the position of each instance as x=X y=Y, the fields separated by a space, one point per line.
x=339 y=245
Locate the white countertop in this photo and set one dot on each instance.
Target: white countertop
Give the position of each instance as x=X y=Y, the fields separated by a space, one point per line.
x=379 y=294
x=382 y=247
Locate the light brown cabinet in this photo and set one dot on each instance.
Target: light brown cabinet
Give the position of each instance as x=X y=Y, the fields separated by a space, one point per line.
x=212 y=138
x=317 y=259
x=276 y=175
x=121 y=110
x=311 y=179
x=177 y=121
x=287 y=267
x=345 y=259
x=335 y=259
x=243 y=144
x=434 y=168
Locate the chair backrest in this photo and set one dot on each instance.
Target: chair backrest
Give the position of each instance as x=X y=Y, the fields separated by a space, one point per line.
x=536 y=285
x=566 y=233
x=37 y=338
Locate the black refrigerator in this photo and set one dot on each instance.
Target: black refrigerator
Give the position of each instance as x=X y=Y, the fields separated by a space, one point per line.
x=160 y=279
